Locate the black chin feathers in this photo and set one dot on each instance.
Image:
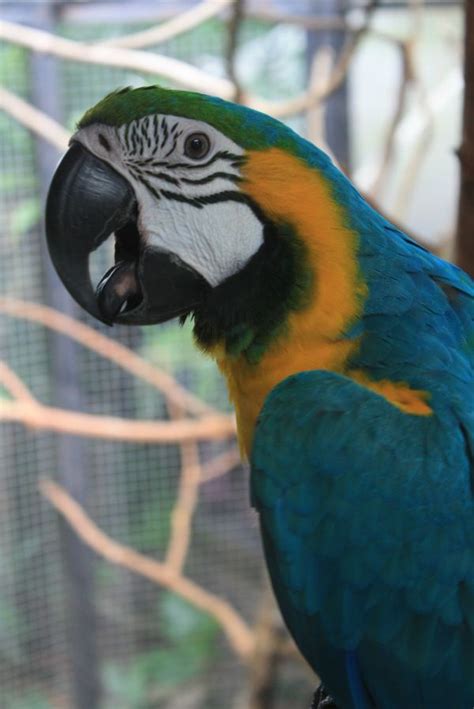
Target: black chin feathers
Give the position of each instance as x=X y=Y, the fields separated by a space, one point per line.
x=250 y=308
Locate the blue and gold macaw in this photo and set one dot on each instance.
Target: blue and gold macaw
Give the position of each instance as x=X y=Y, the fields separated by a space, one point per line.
x=348 y=351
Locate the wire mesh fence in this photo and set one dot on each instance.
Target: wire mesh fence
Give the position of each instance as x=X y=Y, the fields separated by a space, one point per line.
x=76 y=630
x=73 y=629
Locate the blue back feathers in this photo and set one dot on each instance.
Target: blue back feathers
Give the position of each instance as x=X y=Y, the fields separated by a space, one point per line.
x=366 y=511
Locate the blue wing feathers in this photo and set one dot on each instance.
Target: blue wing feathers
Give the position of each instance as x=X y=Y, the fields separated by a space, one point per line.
x=367 y=512
x=359 y=695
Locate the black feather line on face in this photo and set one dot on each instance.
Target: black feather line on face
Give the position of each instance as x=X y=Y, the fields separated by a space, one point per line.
x=145 y=138
x=149 y=186
x=161 y=176
x=135 y=140
x=164 y=128
x=127 y=137
x=178 y=197
x=215 y=176
x=221 y=155
x=225 y=196
x=156 y=134
x=173 y=147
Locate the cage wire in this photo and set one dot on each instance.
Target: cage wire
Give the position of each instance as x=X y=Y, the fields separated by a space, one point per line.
x=76 y=631
x=128 y=643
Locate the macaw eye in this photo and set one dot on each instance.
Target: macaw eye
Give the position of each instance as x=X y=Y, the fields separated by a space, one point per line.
x=197 y=146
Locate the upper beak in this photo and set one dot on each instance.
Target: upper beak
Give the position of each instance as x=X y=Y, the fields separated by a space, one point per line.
x=88 y=201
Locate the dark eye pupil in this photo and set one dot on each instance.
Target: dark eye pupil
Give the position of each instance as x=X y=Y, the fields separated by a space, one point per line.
x=197 y=145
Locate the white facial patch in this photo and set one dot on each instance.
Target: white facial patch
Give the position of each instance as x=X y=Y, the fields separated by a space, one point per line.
x=216 y=240
x=190 y=207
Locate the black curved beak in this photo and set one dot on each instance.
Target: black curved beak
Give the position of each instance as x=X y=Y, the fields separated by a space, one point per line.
x=88 y=201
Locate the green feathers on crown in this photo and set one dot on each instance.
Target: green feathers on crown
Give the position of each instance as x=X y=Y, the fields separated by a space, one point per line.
x=248 y=128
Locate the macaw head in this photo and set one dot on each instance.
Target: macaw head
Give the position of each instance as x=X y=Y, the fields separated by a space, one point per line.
x=200 y=196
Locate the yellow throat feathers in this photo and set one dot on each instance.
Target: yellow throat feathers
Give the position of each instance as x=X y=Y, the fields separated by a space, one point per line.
x=289 y=191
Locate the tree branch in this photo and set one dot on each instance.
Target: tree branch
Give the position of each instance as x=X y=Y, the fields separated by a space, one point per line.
x=316 y=94
x=220 y=465
x=239 y=634
x=186 y=501
x=12 y=383
x=165 y=31
x=233 y=27
x=270 y=637
x=113 y=428
x=109 y=349
x=33 y=119
x=179 y=72
x=25 y=409
x=408 y=76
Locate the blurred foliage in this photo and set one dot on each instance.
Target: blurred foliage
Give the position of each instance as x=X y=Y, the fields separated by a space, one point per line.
x=187 y=648
x=151 y=524
x=29 y=700
x=4 y=394
x=25 y=216
x=11 y=621
x=173 y=348
x=164 y=644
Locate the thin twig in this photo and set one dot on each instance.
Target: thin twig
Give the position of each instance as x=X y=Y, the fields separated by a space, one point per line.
x=33 y=119
x=316 y=94
x=30 y=412
x=239 y=634
x=110 y=349
x=220 y=465
x=408 y=76
x=186 y=501
x=417 y=155
x=233 y=28
x=323 y=23
x=182 y=514
x=270 y=637
x=320 y=71
x=15 y=386
x=419 y=152
x=49 y=418
x=165 y=31
x=181 y=73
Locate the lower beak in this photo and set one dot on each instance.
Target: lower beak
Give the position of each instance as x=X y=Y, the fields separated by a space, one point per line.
x=88 y=201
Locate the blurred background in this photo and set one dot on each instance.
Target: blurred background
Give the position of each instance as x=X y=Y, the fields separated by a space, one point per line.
x=88 y=624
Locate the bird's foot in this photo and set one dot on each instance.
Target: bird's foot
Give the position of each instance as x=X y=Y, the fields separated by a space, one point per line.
x=322 y=700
